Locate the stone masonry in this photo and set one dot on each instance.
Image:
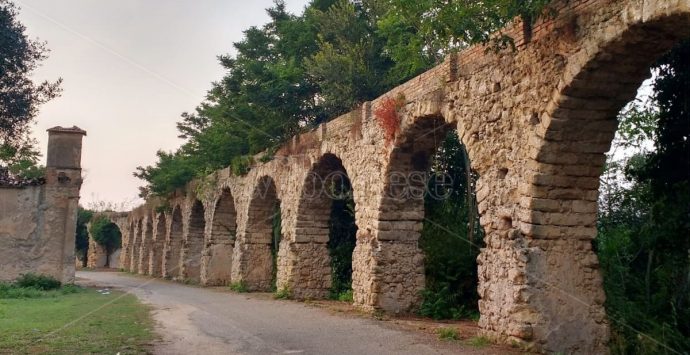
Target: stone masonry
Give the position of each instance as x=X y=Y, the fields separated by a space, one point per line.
x=38 y=223
x=536 y=121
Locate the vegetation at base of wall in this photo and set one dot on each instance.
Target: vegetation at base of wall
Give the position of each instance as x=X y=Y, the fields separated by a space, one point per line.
x=40 y=282
x=449 y=240
x=298 y=71
x=239 y=287
x=46 y=324
x=35 y=286
x=346 y=296
x=283 y=294
x=643 y=245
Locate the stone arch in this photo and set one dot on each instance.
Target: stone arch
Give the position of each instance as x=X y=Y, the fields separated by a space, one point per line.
x=400 y=220
x=560 y=284
x=253 y=258
x=193 y=244
x=98 y=256
x=216 y=265
x=158 y=245
x=145 y=245
x=173 y=245
x=305 y=263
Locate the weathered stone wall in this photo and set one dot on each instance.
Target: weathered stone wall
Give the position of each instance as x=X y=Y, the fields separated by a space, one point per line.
x=536 y=123
x=38 y=223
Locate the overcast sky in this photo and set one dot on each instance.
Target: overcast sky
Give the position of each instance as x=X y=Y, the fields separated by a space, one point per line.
x=130 y=67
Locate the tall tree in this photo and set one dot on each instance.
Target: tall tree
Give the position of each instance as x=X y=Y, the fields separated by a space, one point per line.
x=81 y=240
x=20 y=96
x=348 y=66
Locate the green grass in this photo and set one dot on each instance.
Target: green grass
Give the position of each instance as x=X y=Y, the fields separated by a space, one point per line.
x=52 y=323
x=447 y=333
x=479 y=342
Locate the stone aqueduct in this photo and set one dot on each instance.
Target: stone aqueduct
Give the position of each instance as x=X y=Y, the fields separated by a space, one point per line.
x=536 y=123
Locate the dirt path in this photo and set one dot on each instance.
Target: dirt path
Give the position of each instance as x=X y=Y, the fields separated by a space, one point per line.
x=193 y=320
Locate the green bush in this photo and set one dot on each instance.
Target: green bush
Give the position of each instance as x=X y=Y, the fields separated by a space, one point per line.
x=240 y=165
x=39 y=282
x=346 y=296
x=282 y=294
x=441 y=303
x=240 y=287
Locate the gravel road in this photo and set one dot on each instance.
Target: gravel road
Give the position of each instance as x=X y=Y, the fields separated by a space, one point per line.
x=194 y=320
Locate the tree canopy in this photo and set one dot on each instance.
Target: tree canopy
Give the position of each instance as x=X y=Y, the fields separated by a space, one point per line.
x=106 y=234
x=297 y=71
x=20 y=96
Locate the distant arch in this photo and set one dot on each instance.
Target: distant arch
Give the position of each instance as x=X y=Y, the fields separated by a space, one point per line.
x=217 y=255
x=194 y=243
x=173 y=245
x=156 y=254
x=255 y=257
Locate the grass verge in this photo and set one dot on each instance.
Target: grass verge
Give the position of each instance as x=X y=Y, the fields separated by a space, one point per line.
x=40 y=323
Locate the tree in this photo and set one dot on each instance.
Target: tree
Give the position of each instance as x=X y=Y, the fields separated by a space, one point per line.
x=420 y=33
x=81 y=242
x=643 y=242
x=106 y=234
x=20 y=96
x=298 y=71
x=348 y=65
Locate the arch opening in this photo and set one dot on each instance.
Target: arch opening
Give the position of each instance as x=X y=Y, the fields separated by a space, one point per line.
x=105 y=243
x=156 y=255
x=563 y=192
x=194 y=244
x=146 y=246
x=173 y=244
x=217 y=256
x=257 y=249
x=429 y=213
x=326 y=231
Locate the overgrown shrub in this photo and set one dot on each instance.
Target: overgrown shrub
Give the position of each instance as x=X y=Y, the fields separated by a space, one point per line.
x=239 y=287
x=282 y=294
x=35 y=286
x=39 y=282
x=240 y=165
x=346 y=296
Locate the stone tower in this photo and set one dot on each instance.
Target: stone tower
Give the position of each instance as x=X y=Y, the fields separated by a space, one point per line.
x=63 y=182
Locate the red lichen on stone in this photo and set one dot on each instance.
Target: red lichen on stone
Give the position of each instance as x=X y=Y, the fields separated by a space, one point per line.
x=387 y=116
